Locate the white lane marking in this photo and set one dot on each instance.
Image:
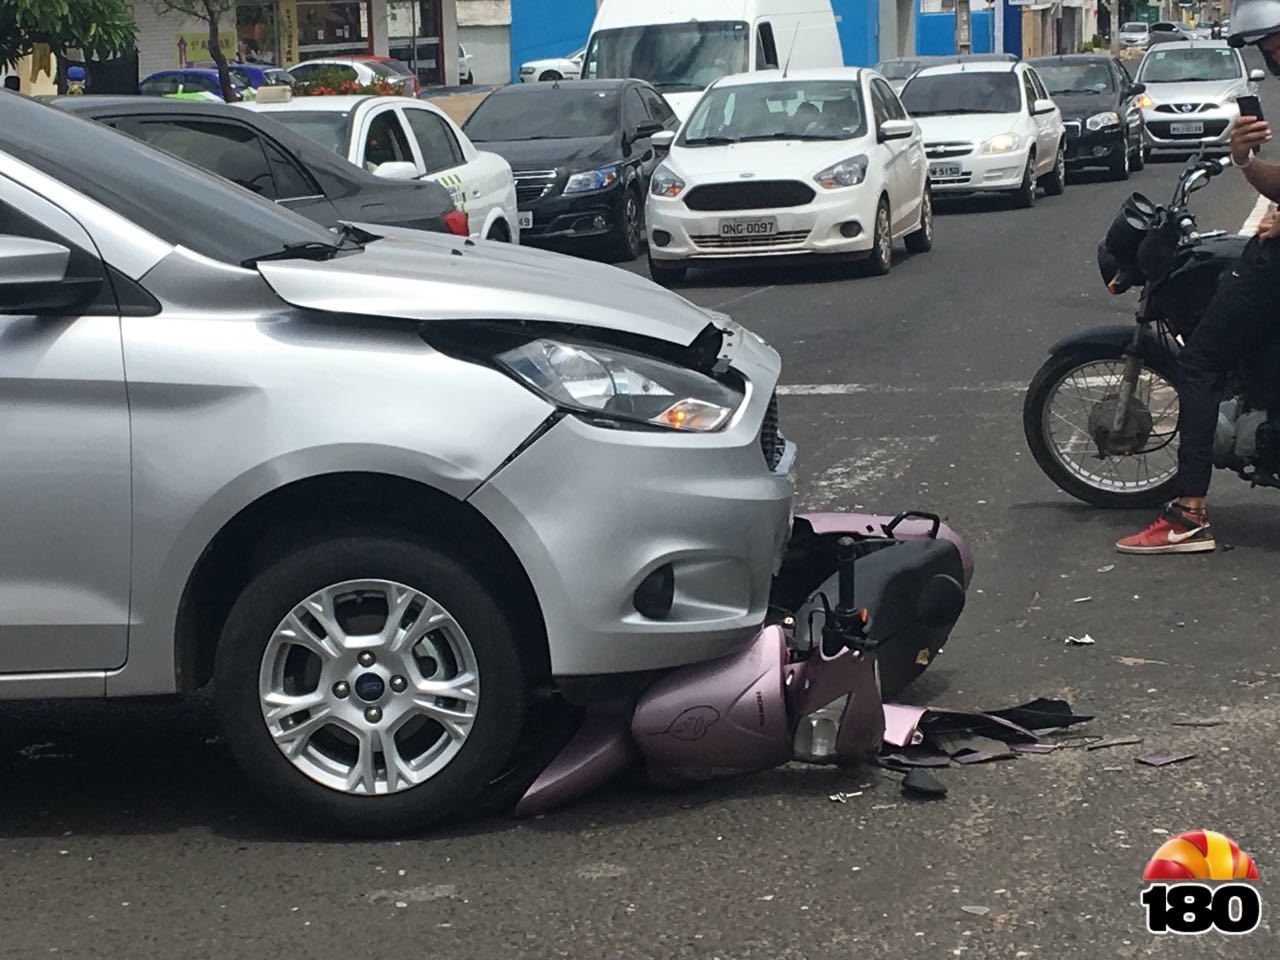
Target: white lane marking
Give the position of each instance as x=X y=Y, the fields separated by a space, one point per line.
x=842 y=389
x=738 y=299
x=879 y=459
x=1260 y=210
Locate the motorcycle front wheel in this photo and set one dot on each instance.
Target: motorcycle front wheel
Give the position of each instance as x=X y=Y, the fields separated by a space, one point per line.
x=1069 y=418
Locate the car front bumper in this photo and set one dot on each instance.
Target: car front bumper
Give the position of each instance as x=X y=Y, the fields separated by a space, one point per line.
x=1158 y=135
x=564 y=219
x=1093 y=148
x=980 y=173
x=677 y=233
x=591 y=512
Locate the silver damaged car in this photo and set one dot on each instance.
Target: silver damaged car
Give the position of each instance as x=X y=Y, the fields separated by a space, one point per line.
x=390 y=491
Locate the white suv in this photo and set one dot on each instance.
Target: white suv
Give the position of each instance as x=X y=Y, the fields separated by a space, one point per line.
x=989 y=128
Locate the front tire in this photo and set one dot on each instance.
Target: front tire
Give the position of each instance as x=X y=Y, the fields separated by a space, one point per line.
x=1056 y=182
x=921 y=241
x=1139 y=157
x=369 y=684
x=1025 y=196
x=548 y=76
x=880 y=262
x=1036 y=419
x=628 y=240
x=1120 y=166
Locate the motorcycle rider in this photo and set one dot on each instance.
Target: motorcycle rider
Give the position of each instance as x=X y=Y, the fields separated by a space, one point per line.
x=1243 y=316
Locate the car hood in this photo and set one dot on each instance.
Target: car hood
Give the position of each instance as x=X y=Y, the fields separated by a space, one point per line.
x=1078 y=106
x=762 y=160
x=682 y=103
x=967 y=126
x=1198 y=91
x=572 y=154
x=428 y=277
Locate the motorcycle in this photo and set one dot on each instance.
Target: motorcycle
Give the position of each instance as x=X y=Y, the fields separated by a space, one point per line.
x=1101 y=414
x=860 y=606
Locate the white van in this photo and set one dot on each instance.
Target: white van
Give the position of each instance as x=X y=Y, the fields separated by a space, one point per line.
x=683 y=46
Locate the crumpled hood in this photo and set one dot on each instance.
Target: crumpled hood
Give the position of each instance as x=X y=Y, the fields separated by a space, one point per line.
x=573 y=154
x=974 y=127
x=1081 y=106
x=1200 y=91
x=426 y=276
x=762 y=160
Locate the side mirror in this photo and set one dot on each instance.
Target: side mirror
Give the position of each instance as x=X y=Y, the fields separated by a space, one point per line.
x=647 y=129
x=896 y=130
x=396 y=170
x=662 y=141
x=1257 y=75
x=33 y=277
x=1041 y=107
x=1136 y=90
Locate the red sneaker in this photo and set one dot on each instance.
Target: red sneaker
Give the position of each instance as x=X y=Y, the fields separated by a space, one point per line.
x=1176 y=530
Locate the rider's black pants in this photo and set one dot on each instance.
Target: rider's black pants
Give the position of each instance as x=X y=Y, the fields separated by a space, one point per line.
x=1243 y=317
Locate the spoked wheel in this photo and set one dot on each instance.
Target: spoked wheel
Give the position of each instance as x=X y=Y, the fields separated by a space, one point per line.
x=881 y=260
x=1069 y=419
x=1025 y=196
x=921 y=240
x=369 y=684
x=628 y=240
x=1056 y=182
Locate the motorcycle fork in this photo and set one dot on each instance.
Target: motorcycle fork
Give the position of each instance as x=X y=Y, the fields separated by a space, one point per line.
x=1128 y=382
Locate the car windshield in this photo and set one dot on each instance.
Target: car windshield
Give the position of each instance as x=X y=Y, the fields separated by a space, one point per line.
x=672 y=56
x=397 y=67
x=1189 y=65
x=786 y=110
x=1076 y=77
x=950 y=93
x=1134 y=28
x=173 y=200
x=545 y=113
x=325 y=128
x=897 y=69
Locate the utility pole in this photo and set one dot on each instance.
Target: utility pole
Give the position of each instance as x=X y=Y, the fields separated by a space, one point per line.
x=1113 y=8
x=964 y=28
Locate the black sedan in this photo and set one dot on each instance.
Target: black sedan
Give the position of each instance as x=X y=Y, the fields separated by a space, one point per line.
x=582 y=158
x=271 y=160
x=1100 y=110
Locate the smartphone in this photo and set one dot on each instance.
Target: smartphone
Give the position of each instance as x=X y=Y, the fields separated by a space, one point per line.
x=1250 y=106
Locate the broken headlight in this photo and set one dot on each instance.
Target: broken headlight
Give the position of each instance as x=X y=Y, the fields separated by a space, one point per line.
x=620 y=385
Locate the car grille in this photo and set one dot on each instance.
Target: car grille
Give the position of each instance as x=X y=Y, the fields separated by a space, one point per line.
x=761 y=195
x=951 y=181
x=948 y=149
x=771 y=443
x=1161 y=128
x=1183 y=109
x=783 y=238
x=533 y=185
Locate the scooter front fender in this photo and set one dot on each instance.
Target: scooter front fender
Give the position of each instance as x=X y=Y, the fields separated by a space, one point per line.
x=1152 y=346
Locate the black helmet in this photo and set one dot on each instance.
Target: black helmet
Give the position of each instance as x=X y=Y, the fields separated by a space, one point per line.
x=1252 y=21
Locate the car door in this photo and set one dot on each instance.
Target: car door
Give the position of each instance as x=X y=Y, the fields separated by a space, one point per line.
x=1130 y=112
x=65 y=513
x=1041 y=125
x=160 y=85
x=915 y=165
x=638 y=146
x=380 y=137
x=890 y=153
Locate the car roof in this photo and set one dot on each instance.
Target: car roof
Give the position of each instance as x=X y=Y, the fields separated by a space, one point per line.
x=596 y=86
x=968 y=66
x=198 y=71
x=1188 y=45
x=774 y=76
x=343 y=103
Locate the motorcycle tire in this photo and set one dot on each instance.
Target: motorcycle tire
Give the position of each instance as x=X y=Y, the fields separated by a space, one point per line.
x=1039 y=394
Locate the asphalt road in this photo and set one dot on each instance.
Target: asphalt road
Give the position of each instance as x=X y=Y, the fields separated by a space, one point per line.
x=127 y=834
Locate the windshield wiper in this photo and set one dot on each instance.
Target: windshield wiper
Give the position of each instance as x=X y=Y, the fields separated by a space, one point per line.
x=710 y=141
x=957 y=110
x=1090 y=91
x=782 y=135
x=306 y=250
x=679 y=85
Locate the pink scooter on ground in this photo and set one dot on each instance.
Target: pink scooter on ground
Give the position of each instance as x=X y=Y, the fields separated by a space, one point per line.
x=860 y=605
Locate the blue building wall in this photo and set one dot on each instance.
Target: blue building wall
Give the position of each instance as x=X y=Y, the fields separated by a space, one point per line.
x=858 y=23
x=548 y=28
x=936 y=32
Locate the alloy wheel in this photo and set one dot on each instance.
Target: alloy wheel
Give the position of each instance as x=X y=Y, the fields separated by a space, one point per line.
x=369 y=687
x=884 y=235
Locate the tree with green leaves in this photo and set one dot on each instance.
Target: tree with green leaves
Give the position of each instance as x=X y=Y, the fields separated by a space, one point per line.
x=99 y=29
x=209 y=12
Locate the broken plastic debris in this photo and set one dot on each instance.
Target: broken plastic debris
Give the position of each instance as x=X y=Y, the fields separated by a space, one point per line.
x=924 y=784
x=1117 y=742
x=977 y=911
x=1034 y=747
x=1164 y=759
x=1198 y=723
x=1107 y=569
x=844 y=797
x=1082 y=599
x=1140 y=662
x=1084 y=641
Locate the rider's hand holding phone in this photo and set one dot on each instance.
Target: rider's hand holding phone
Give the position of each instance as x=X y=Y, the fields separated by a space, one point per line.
x=1250 y=131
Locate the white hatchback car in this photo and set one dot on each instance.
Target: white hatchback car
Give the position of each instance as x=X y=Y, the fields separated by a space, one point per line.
x=568 y=67
x=404 y=139
x=989 y=127
x=816 y=162
x=1190 y=101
